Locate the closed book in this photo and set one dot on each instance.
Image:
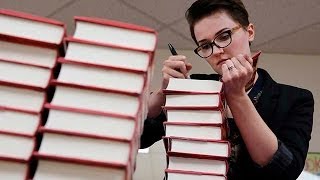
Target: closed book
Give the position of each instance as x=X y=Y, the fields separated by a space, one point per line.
x=13 y=169
x=28 y=52
x=115 y=32
x=25 y=74
x=31 y=27
x=108 y=55
x=19 y=121
x=193 y=94
x=189 y=175
x=194 y=85
x=22 y=97
x=200 y=147
x=199 y=164
x=89 y=148
x=102 y=76
x=194 y=101
x=193 y=130
x=199 y=116
x=96 y=99
x=99 y=124
x=50 y=168
x=16 y=146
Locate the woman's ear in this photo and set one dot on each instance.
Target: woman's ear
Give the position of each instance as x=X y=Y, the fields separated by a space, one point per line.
x=251 y=32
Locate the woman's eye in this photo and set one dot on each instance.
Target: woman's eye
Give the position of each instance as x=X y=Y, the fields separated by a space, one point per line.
x=205 y=46
x=223 y=37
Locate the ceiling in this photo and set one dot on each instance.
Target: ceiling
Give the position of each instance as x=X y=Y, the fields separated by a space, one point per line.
x=282 y=26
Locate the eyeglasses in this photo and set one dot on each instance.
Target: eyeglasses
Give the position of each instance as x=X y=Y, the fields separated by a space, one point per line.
x=222 y=40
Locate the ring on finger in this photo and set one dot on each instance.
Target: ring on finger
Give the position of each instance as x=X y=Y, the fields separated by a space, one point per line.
x=230 y=68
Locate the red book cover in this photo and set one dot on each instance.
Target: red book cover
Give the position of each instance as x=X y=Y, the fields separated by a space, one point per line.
x=214 y=116
x=77 y=168
x=70 y=61
x=100 y=124
x=109 y=54
x=195 y=130
x=27 y=51
x=102 y=76
x=178 y=161
x=14 y=168
x=197 y=174
x=219 y=149
x=27 y=41
x=21 y=16
x=23 y=124
x=120 y=26
x=14 y=97
x=96 y=99
x=193 y=101
x=16 y=146
x=25 y=74
x=80 y=154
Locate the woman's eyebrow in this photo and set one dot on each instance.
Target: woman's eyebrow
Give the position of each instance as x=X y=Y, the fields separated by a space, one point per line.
x=217 y=33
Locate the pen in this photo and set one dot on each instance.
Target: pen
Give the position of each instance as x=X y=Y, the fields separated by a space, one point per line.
x=255 y=59
x=172 y=50
x=254 y=65
x=174 y=53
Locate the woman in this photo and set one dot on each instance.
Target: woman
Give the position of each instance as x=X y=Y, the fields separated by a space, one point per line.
x=270 y=123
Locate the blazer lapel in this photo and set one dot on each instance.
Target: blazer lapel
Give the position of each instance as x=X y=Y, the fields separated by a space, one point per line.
x=266 y=106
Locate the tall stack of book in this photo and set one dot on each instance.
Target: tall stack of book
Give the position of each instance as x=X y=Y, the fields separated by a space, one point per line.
x=29 y=47
x=195 y=130
x=97 y=111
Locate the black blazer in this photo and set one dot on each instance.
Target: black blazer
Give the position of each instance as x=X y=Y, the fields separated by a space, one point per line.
x=287 y=110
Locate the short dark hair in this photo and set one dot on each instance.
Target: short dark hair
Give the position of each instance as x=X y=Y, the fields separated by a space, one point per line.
x=203 y=8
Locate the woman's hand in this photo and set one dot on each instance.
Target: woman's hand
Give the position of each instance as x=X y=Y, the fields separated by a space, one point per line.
x=259 y=139
x=175 y=67
x=236 y=73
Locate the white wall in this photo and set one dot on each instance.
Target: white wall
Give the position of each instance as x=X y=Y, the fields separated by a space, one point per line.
x=298 y=70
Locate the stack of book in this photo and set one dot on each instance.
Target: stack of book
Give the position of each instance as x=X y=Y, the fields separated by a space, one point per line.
x=97 y=111
x=29 y=47
x=195 y=130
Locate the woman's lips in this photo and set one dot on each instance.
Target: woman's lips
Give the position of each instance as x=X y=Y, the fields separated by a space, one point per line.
x=222 y=61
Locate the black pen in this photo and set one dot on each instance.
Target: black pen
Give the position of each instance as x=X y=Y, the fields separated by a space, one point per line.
x=172 y=50
x=174 y=53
